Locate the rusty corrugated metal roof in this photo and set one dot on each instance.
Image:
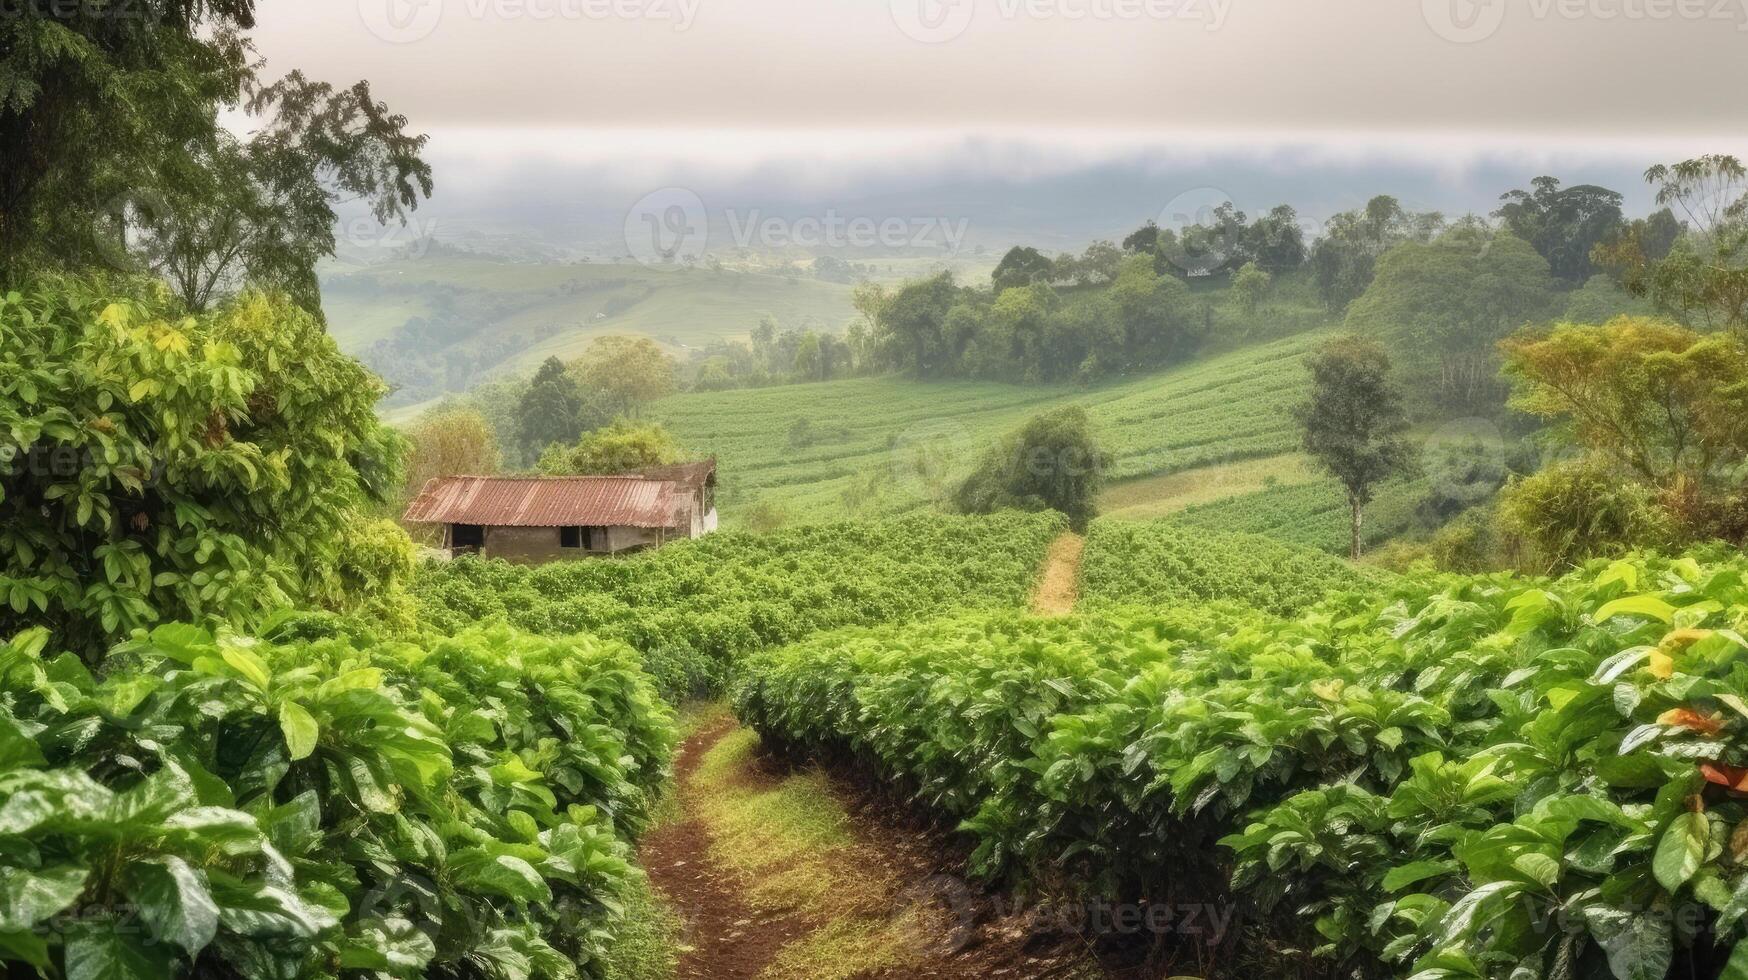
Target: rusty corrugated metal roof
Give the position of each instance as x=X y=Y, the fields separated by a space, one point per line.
x=549 y=501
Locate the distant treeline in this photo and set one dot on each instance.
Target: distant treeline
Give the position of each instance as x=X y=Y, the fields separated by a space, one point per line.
x=1444 y=292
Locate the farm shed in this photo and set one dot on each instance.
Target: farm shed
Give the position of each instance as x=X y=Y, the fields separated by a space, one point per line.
x=536 y=519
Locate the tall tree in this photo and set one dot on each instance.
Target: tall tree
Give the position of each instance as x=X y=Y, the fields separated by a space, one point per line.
x=1343 y=260
x=262 y=210
x=1275 y=242
x=1564 y=225
x=111 y=151
x=1022 y=266
x=1447 y=305
x=1704 y=278
x=627 y=372
x=551 y=410
x=1155 y=313
x=910 y=323
x=1354 y=423
x=90 y=101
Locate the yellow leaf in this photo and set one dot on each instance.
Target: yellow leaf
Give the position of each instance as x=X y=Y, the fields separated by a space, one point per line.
x=252 y=667
x=1662 y=665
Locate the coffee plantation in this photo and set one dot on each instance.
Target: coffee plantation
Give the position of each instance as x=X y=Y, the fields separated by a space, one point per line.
x=312 y=803
x=1450 y=778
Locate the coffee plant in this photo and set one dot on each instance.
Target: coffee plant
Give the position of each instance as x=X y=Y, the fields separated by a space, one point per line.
x=729 y=593
x=1487 y=777
x=157 y=467
x=311 y=804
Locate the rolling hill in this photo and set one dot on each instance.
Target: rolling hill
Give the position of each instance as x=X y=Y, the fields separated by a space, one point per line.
x=888 y=444
x=446 y=321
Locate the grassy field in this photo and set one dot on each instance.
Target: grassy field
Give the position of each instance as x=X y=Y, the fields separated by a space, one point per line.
x=1311 y=515
x=885 y=445
x=1149 y=497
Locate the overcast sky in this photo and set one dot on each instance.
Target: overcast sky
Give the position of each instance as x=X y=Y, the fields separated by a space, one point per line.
x=826 y=91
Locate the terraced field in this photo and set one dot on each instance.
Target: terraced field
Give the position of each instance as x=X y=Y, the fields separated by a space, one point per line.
x=885 y=445
x=1310 y=515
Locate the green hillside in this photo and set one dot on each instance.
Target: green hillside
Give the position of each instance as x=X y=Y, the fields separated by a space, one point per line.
x=881 y=445
x=445 y=322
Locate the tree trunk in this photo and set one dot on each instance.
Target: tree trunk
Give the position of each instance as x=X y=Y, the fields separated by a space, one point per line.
x=1353 y=503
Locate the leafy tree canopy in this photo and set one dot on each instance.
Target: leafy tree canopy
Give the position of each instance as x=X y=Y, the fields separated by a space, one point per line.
x=1657 y=399
x=551 y=410
x=1563 y=225
x=1353 y=422
x=1445 y=305
x=161 y=467
x=626 y=372
x=1022 y=266
x=114 y=156
x=623 y=447
x=1052 y=462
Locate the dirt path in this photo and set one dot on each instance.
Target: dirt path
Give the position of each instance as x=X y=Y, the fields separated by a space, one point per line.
x=784 y=874
x=1059 y=586
x=723 y=937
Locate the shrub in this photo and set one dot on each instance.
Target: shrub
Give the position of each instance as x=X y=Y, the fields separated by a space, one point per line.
x=158 y=467
x=1461 y=777
x=319 y=806
x=1163 y=563
x=1583 y=508
x=725 y=594
x=1052 y=462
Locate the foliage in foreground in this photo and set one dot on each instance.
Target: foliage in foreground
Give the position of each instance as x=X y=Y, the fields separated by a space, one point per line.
x=318 y=806
x=1471 y=778
x=156 y=467
x=729 y=593
x=1160 y=562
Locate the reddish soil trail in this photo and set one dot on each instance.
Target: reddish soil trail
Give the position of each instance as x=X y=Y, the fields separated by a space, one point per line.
x=950 y=933
x=1059 y=586
x=725 y=937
